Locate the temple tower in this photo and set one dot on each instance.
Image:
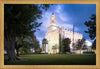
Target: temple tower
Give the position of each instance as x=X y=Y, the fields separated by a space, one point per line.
x=53 y=21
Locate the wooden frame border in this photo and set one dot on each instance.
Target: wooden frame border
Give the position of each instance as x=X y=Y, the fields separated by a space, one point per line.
x=2 y=2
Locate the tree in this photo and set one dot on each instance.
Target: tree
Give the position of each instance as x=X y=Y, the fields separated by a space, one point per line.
x=19 y=20
x=84 y=47
x=31 y=41
x=91 y=24
x=25 y=49
x=36 y=46
x=34 y=43
x=73 y=45
x=66 y=45
x=42 y=48
x=44 y=42
x=79 y=44
x=39 y=50
x=19 y=43
x=24 y=41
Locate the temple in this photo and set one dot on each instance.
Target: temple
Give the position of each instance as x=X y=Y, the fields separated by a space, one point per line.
x=52 y=36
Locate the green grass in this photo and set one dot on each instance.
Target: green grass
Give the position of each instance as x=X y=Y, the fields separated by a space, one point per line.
x=57 y=59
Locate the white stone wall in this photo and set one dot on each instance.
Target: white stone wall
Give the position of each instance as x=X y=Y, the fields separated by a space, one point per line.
x=66 y=33
x=52 y=36
x=53 y=40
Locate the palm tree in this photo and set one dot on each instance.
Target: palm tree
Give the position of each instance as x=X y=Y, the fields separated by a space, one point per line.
x=44 y=42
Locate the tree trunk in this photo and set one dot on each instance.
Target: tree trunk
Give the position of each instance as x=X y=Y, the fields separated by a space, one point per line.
x=10 y=48
x=11 y=54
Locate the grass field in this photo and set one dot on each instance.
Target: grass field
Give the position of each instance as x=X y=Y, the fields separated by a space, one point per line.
x=57 y=59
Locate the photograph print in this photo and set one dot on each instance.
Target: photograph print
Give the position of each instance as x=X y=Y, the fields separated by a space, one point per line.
x=49 y=34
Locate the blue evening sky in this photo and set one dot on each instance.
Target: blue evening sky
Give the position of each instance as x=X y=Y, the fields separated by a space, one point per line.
x=66 y=15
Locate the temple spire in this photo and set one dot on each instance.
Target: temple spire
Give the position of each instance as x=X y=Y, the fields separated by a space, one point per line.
x=52 y=21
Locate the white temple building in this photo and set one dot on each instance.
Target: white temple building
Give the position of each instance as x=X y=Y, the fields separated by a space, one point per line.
x=52 y=36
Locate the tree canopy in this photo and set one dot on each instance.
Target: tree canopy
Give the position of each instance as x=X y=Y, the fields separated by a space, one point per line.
x=79 y=44
x=91 y=24
x=66 y=45
x=20 y=20
x=44 y=41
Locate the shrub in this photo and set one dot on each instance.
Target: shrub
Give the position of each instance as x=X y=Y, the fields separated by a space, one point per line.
x=38 y=51
x=89 y=52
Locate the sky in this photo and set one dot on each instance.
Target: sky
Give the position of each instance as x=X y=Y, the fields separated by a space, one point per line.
x=66 y=15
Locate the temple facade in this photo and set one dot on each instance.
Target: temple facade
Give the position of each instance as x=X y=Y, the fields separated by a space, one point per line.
x=52 y=36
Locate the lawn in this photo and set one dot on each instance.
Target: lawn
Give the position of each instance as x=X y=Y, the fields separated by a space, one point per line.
x=55 y=59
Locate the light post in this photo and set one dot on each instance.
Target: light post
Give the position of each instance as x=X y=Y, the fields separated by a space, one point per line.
x=73 y=37
x=60 y=41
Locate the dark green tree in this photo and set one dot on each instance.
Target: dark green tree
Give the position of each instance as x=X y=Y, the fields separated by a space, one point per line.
x=44 y=42
x=25 y=49
x=84 y=47
x=29 y=41
x=84 y=44
x=59 y=43
x=33 y=42
x=39 y=50
x=66 y=45
x=79 y=44
x=91 y=24
x=42 y=47
x=37 y=46
x=73 y=45
x=19 y=20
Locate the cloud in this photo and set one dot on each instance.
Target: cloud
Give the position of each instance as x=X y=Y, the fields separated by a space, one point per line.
x=88 y=43
x=61 y=13
x=58 y=8
x=45 y=21
x=65 y=16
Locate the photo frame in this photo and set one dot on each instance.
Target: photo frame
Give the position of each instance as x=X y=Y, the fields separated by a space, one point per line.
x=2 y=2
